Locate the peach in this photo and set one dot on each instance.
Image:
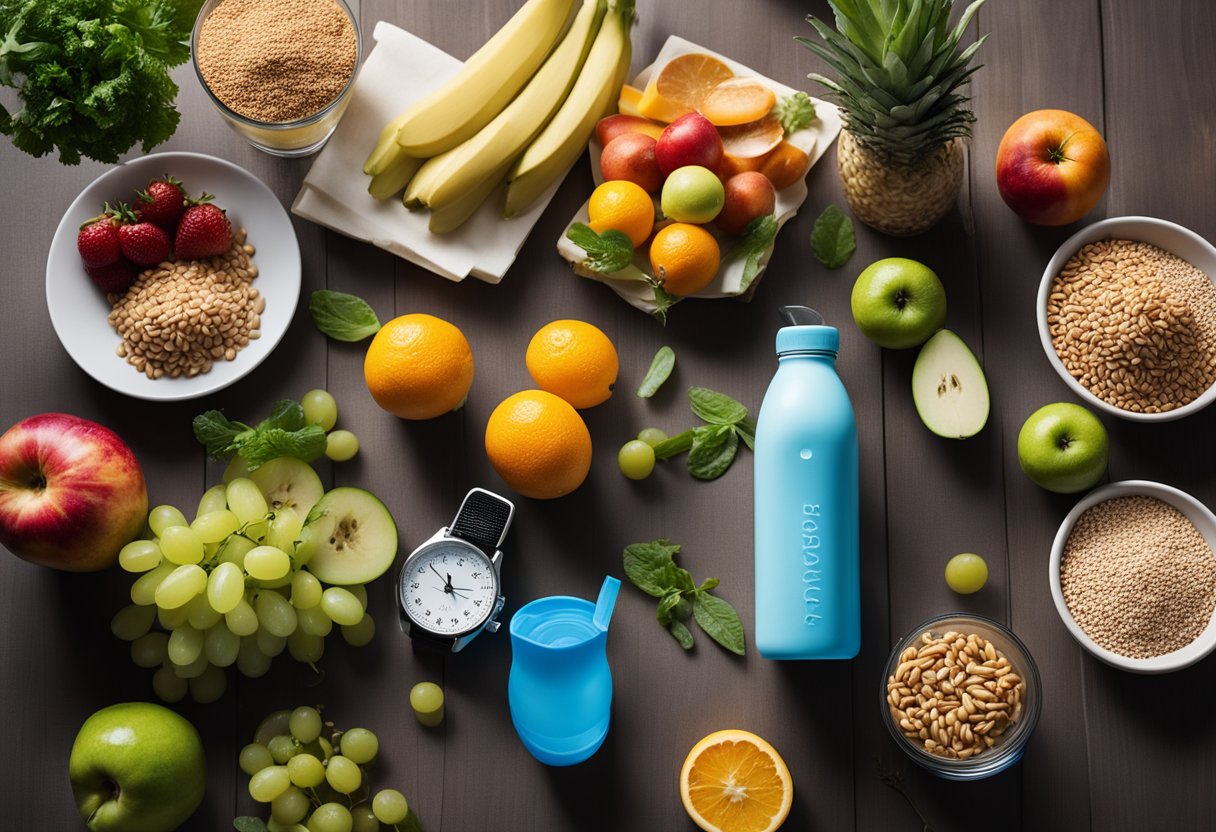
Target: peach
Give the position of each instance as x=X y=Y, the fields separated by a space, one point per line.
x=748 y=195
x=608 y=128
x=631 y=156
x=1052 y=167
x=689 y=140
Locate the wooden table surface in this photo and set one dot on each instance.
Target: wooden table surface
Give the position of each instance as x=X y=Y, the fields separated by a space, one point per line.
x=1112 y=751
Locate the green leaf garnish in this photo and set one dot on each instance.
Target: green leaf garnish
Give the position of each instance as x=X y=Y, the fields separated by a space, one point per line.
x=714 y=407
x=607 y=252
x=283 y=433
x=711 y=447
x=795 y=112
x=713 y=450
x=650 y=566
x=660 y=369
x=342 y=316
x=832 y=238
x=756 y=239
x=720 y=621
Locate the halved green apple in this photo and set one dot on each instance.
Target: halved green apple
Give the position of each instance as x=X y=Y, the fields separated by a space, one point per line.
x=289 y=482
x=350 y=538
x=949 y=387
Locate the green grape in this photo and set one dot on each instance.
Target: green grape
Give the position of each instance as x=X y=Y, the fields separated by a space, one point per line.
x=364 y=819
x=266 y=563
x=305 y=647
x=305 y=590
x=327 y=749
x=237 y=467
x=251 y=661
x=182 y=584
x=139 y=556
x=305 y=724
x=314 y=621
x=241 y=619
x=173 y=618
x=192 y=670
x=274 y=613
x=208 y=686
x=341 y=606
x=966 y=573
x=285 y=528
x=390 y=806
x=269 y=783
x=151 y=650
x=181 y=545
x=273 y=825
x=635 y=459
x=143 y=590
x=651 y=436
x=201 y=614
x=361 y=634
x=246 y=501
x=343 y=774
x=168 y=686
x=282 y=748
x=164 y=517
x=185 y=645
x=221 y=645
x=209 y=550
x=306 y=547
x=320 y=408
x=214 y=526
x=426 y=698
x=360 y=593
x=235 y=548
x=255 y=757
x=341 y=445
x=290 y=807
x=133 y=621
x=272 y=726
x=225 y=587
x=330 y=817
x=214 y=498
x=360 y=746
x=306 y=771
x=269 y=643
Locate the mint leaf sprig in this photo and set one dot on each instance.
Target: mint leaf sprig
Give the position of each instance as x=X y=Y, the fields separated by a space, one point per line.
x=832 y=238
x=283 y=433
x=711 y=447
x=651 y=567
x=342 y=316
x=607 y=252
x=757 y=237
x=795 y=112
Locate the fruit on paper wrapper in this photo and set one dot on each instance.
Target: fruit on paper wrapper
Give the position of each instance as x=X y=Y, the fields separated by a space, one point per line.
x=949 y=388
x=1052 y=167
x=752 y=140
x=71 y=493
x=681 y=85
x=609 y=127
x=898 y=303
x=692 y=194
x=419 y=367
x=737 y=101
x=351 y=536
x=574 y=360
x=746 y=196
x=785 y=165
x=137 y=767
x=684 y=258
x=538 y=444
x=1063 y=447
x=621 y=206
x=689 y=140
x=630 y=156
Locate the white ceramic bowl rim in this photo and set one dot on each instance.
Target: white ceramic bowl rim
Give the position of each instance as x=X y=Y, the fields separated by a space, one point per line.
x=1204 y=521
x=1170 y=236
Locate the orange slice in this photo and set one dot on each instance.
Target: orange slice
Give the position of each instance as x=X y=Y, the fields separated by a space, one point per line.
x=734 y=781
x=681 y=85
x=737 y=101
x=629 y=100
x=785 y=165
x=732 y=165
x=747 y=141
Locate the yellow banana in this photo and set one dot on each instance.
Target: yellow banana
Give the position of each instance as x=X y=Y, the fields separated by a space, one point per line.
x=456 y=213
x=387 y=150
x=487 y=82
x=562 y=141
x=499 y=142
x=393 y=177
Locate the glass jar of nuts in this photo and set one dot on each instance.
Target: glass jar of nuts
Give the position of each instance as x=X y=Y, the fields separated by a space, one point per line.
x=961 y=696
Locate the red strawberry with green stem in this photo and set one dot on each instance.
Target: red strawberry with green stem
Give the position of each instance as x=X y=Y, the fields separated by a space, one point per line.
x=162 y=202
x=115 y=277
x=142 y=242
x=97 y=241
x=203 y=231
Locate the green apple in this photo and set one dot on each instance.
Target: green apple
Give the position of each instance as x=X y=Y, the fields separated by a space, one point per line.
x=692 y=194
x=898 y=303
x=1063 y=448
x=137 y=767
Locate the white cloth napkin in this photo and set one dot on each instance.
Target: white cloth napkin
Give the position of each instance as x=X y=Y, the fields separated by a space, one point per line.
x=401 y=69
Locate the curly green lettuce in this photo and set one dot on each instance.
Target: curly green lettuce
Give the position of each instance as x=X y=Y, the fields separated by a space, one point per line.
x=92 y=76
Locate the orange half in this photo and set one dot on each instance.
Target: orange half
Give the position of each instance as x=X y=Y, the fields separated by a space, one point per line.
x=756 y=138
x=734 y=781
x=737 y=101
x=680 y=86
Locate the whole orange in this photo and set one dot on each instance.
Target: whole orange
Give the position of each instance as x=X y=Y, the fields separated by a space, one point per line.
x=624 y=206
x=419 y=367
x=538 y=444
x=573 y=360
x=684 y=258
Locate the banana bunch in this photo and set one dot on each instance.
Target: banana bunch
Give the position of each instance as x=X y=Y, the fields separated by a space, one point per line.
x=521 y=109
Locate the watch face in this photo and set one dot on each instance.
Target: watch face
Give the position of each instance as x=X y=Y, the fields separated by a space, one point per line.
x=449 y=588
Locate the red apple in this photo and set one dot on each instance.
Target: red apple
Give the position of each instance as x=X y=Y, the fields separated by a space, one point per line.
x=1052 y=167
x=610 y=127
x=71 y=493
x=630 y=156
x=689 y=140
x=748 y=195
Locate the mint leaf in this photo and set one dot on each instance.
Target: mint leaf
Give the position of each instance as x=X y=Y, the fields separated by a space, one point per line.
x=271 y=443
x=747 y=432
x=670 y=601
x=832 y=238
x=713 y=450
x=673 y=445
x=719 y=621
x=756 y=239
x=649 y=566
x=795 y=112
x=661 y=365
x=607 y=252
x=714 y=407
x=341 y=316
x=249 y=824
x=287 y=414
x=217 y=433
x=680 y=631
x=708 y=584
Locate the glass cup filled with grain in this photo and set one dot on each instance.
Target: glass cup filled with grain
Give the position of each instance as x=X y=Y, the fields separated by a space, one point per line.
x=280 y=72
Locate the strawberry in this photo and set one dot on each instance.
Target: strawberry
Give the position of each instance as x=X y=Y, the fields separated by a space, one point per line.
x=142 y=242
x=115 y=277
x=204 y=230
x=162 y=202
x=97 y=240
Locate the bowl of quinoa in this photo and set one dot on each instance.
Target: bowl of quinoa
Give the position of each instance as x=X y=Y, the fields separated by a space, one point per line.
x=280 y=72
x=1127 y=317
x=1133 y=576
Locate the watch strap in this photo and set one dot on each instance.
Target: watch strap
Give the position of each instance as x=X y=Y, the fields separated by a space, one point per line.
x=483 y=520
x=430 y=640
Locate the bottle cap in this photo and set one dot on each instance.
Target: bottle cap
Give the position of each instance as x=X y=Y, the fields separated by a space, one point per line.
x=820 y=339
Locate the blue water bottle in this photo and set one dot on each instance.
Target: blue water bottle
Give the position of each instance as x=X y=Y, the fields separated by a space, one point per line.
x=808 y=599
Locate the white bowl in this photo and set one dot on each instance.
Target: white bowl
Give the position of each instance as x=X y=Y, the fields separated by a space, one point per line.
x=1204 y=521
x=79 y=309
x=1169 y=236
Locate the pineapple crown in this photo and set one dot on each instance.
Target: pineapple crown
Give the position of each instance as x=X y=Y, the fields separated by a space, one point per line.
x=899 y=67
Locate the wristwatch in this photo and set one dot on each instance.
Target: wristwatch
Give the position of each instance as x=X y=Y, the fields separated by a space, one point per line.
x=450 y=589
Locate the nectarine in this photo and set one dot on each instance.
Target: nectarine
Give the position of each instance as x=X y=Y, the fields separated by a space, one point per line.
x=748 y=195
x=1052 y=167
x=630 y=156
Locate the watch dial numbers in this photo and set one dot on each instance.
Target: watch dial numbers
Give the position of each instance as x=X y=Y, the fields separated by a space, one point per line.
x=449 y=591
